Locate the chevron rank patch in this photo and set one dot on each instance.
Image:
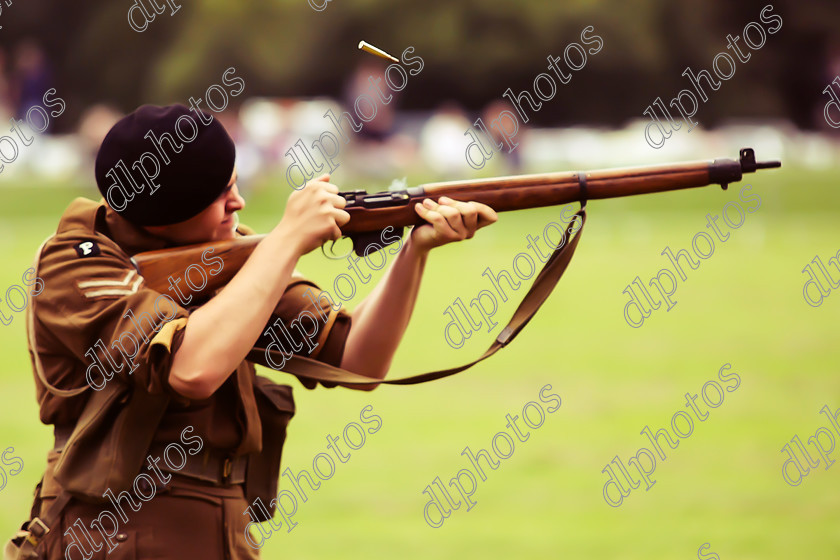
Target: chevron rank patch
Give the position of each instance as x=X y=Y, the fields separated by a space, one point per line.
x=99 y=288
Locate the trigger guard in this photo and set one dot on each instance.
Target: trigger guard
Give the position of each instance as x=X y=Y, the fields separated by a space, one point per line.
x=332 y=256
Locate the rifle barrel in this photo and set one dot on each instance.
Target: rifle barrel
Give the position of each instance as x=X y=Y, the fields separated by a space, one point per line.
x=373 y=212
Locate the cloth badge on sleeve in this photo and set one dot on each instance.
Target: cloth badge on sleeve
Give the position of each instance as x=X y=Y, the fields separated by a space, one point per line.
x=86 y=249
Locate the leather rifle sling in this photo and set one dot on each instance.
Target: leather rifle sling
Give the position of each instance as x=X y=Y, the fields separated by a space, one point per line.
x=536 y=296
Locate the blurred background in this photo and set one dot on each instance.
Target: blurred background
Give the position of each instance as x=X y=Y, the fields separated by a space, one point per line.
x=743 y=306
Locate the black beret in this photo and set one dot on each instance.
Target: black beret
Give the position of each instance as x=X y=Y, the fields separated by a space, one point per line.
x=163 y=165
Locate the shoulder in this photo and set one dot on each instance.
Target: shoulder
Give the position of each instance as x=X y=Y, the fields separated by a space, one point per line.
x=82 y=259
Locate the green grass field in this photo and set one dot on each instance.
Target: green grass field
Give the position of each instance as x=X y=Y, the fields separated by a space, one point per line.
x=721 y=486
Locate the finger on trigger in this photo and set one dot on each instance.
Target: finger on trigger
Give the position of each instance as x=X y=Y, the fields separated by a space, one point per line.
x=336 y=233
x=341 y=216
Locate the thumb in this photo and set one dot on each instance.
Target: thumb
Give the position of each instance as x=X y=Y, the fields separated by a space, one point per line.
x=325 y=178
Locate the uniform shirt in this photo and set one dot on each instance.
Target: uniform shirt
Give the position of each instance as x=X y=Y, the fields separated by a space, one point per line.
x=96 y=319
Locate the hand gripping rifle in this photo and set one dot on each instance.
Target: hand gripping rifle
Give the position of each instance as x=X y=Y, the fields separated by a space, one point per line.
x=371 y=214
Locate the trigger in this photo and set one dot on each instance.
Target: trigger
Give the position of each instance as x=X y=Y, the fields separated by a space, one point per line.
x=332 y=254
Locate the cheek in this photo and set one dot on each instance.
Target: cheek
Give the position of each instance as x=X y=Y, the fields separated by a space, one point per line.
x=215 y=216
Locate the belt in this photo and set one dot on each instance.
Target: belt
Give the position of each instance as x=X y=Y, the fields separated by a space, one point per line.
x=210 y=465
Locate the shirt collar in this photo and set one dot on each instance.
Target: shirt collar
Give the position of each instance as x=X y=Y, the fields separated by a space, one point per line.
x=133 y=239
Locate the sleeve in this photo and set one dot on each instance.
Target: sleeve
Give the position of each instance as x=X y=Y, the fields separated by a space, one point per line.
x=98 y=311
x=308 y=322
x=305 y=305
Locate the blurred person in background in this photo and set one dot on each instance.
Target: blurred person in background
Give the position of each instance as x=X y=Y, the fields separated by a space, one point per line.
x=512 y=160
x=442 y=140
x=6 y=101
x=371 y=150
x=32 y=76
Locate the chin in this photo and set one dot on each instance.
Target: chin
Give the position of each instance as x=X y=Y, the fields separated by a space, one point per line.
x=223 y=235
x=226 y=231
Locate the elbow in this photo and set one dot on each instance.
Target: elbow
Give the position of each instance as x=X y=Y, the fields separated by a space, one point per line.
x=193 y=386
x=366 y=388
x=375 y=373
x=374 y=376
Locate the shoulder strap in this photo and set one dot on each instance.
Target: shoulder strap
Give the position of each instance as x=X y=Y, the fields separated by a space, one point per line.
x=536 y=296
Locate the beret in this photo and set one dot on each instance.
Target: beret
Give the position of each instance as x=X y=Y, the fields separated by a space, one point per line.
x=163 y=165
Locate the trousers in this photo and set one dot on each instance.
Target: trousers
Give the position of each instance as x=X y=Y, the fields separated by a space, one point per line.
x=185 y=519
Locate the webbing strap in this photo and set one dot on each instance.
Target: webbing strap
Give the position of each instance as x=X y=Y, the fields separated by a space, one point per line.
x=25 y=543
x=536 y=296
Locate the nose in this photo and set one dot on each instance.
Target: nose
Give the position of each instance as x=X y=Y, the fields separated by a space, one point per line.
x=235 y=201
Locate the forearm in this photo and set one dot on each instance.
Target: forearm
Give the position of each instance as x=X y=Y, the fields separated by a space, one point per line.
x=220 y=333
x=381 y=319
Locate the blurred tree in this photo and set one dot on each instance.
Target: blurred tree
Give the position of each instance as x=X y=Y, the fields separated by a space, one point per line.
x=473 y=49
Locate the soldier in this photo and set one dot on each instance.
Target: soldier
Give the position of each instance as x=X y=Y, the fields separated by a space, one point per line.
x=127 y=374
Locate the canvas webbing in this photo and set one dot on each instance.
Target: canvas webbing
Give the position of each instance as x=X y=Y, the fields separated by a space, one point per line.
x=26 y=541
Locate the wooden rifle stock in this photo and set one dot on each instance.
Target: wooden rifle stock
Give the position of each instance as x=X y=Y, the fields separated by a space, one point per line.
x=156 y=267
x=370 y=214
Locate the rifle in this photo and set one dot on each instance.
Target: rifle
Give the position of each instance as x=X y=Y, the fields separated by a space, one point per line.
x=371 y=213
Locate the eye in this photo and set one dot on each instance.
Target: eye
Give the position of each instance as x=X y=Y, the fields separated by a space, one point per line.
x=225 y=193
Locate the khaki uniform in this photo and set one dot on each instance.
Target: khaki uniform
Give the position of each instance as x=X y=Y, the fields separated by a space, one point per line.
x=92 y=299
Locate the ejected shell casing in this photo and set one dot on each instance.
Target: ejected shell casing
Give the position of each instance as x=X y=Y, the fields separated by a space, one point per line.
x=367 y=47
